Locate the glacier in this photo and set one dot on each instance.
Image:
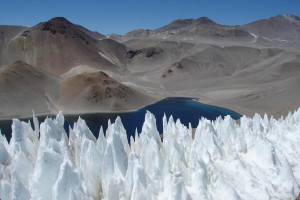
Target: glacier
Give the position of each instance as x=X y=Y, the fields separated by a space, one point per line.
x=254 y=159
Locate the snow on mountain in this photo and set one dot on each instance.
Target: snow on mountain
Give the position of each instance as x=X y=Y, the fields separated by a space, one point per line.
x=259 y=158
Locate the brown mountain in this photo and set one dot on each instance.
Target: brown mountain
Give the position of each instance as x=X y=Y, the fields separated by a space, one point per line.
x=6 y=34
x=24 y=87
x=56 y=46
x=94 y=34
x=250 y=68
x=98 y=91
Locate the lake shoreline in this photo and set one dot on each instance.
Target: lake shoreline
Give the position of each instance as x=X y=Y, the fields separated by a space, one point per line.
x=187 y=109
x=75 y=113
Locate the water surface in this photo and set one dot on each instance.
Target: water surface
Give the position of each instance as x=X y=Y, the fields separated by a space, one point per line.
x=188 y=110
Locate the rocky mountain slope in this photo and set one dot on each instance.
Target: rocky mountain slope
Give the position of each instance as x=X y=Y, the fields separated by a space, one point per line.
x=98 y=91
x=248 y=68
x=56 y=46
x=24 y=88
x=192 y=28
x=280 y=28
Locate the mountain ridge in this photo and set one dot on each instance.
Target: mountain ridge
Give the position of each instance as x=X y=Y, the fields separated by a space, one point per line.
x=179 y=23
x=192 y=27
x=65 y=44
x=238 y=67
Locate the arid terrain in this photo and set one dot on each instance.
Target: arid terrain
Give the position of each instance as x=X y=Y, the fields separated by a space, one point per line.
x=58 y=65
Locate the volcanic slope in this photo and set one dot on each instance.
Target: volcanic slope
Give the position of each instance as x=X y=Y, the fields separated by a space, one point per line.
x=186 y=29
x=244 y=68
x=97 y=91
x=24 y=87
x=57 y=46
x=281 y=28
x=258 y=74
x=6 y=34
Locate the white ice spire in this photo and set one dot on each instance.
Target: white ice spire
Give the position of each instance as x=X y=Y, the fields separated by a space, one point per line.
x=259 y=158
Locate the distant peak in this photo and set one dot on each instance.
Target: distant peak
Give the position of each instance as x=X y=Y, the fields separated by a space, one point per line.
x=179 y=23
x=182 y=23
x=61 y=26
x=205 y=21
x=288 y=17
x=57 y=22
x=59 y=19
x=292 y=18
x=199 y=21
x=55 y=25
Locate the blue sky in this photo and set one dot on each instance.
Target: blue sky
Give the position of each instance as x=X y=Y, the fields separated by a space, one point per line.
x=121 y=16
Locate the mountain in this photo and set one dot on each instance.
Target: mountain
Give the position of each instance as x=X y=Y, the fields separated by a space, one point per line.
x=24 y=87
x=257 y=158
x=56 y=46
x=6 y=34
x=247 y=68
x=184 y=23
x=248 y=76
x=97 y=91
x=201 y=27
x=280 y=27
x=58 y=65
x=94 y=34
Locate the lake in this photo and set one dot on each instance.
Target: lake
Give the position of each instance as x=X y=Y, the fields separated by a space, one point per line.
x=187 y=109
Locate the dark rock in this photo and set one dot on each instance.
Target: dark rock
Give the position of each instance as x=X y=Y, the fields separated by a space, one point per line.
x=149 y=52
x=179 y=66
x=60 y=25
x=153 y=51
x=132 y=53
x=25 y=33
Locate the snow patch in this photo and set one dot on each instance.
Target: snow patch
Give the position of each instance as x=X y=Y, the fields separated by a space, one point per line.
x=255 y=37
x=267 y=39
x=107 y=58
x=281 y=40
x=292 y=19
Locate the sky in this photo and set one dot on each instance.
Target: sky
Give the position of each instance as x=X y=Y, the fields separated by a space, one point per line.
x=122 y=16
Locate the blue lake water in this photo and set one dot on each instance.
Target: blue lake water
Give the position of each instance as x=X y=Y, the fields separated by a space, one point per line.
x=188 y=110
